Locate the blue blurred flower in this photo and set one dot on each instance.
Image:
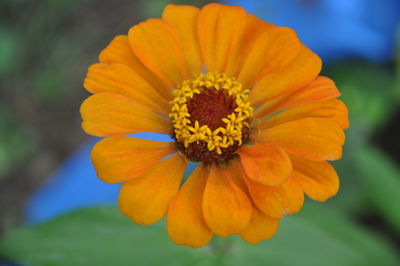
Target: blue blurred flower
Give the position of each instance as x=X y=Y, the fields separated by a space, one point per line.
x=335 y=29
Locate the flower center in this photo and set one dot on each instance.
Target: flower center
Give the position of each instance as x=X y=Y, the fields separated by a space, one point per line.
x=210 y=117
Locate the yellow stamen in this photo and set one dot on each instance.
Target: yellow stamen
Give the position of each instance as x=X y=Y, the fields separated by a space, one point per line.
x=222 y=137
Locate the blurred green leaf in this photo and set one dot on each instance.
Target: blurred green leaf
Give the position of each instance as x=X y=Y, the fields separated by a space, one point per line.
x=382 y=181
x=98 y=236
x=49 y=85
x=102 y=236
x=317 y=236
x=15 y=142
x=8 y=48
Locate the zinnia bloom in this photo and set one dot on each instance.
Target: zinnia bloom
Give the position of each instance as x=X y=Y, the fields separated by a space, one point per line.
x=240 y=97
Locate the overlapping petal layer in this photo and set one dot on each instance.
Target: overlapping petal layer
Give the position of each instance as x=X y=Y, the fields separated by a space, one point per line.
x=265 y=163
x=318 y=179
x=119 y=51
x=108 y=114
x=158 y=47
x=261 y=227
x=145 y=199
x=118 y=159
x=272 y=50
x=303 y=69
x=121 y=79
x=185 y=223
x=233 y=215
x=277 y=201
x=334 y=110
x=312 y=138
x=217 y=35
x=320 y=89
x=184 y=20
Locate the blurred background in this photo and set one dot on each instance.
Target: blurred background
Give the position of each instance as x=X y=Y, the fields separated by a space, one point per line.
x=54 y=211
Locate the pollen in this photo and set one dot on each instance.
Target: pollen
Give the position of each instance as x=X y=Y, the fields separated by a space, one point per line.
x=211 y=117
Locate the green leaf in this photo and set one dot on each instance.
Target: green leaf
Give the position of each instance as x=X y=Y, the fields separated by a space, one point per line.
x=102 y=236
x=382 y=181
x=8 y=50
x=98 y=236
x=317 y=236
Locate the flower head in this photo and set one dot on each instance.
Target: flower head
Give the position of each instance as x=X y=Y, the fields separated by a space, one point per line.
x=240 y=97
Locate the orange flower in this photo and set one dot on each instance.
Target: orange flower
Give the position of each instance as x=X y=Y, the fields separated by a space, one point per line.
x=239 y=96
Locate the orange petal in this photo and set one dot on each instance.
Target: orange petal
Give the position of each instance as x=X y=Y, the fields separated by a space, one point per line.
x=145 y=199
x=237 y=174
x=118 y=159
x=333 y=109
x=184 y=20
x=218 y=37
x=157 y=45
x=121 y=79
x=316 y=139
x=265 y=163
x=277 y=201
x=253 y=29
x=226 y=208
x=271 y=51
x=318 y=179
x=299 y=72
x=185 y=222
x=119 y=51
x=320 y=89
x=261 y=227
x=108 y=114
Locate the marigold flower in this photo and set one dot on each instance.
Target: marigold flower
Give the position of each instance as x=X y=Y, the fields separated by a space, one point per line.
x=239 y=96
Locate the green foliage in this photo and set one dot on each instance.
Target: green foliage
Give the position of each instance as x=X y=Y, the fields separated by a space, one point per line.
x=99 y=236
x=102 y=236
x=15 y=144
x=8 y=44
x=367 y=174
x=382 y=181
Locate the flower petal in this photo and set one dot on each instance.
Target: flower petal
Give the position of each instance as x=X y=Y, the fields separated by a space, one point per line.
x=108 y=114
x=333 y=109
x=145 y=199
x=265 y=163
x=271 y=51
x=277 y=201
x=261 y=227
x=226 y=208
x=253 y=29
x=121 y=79
x=320 y=89
x=218 y=37
x=157 y=45
x=299 y=72
x=184 y=20
x=185 y=222
x=118 y=159
x=316 y=139
x=318 y=179
x=119 y=51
